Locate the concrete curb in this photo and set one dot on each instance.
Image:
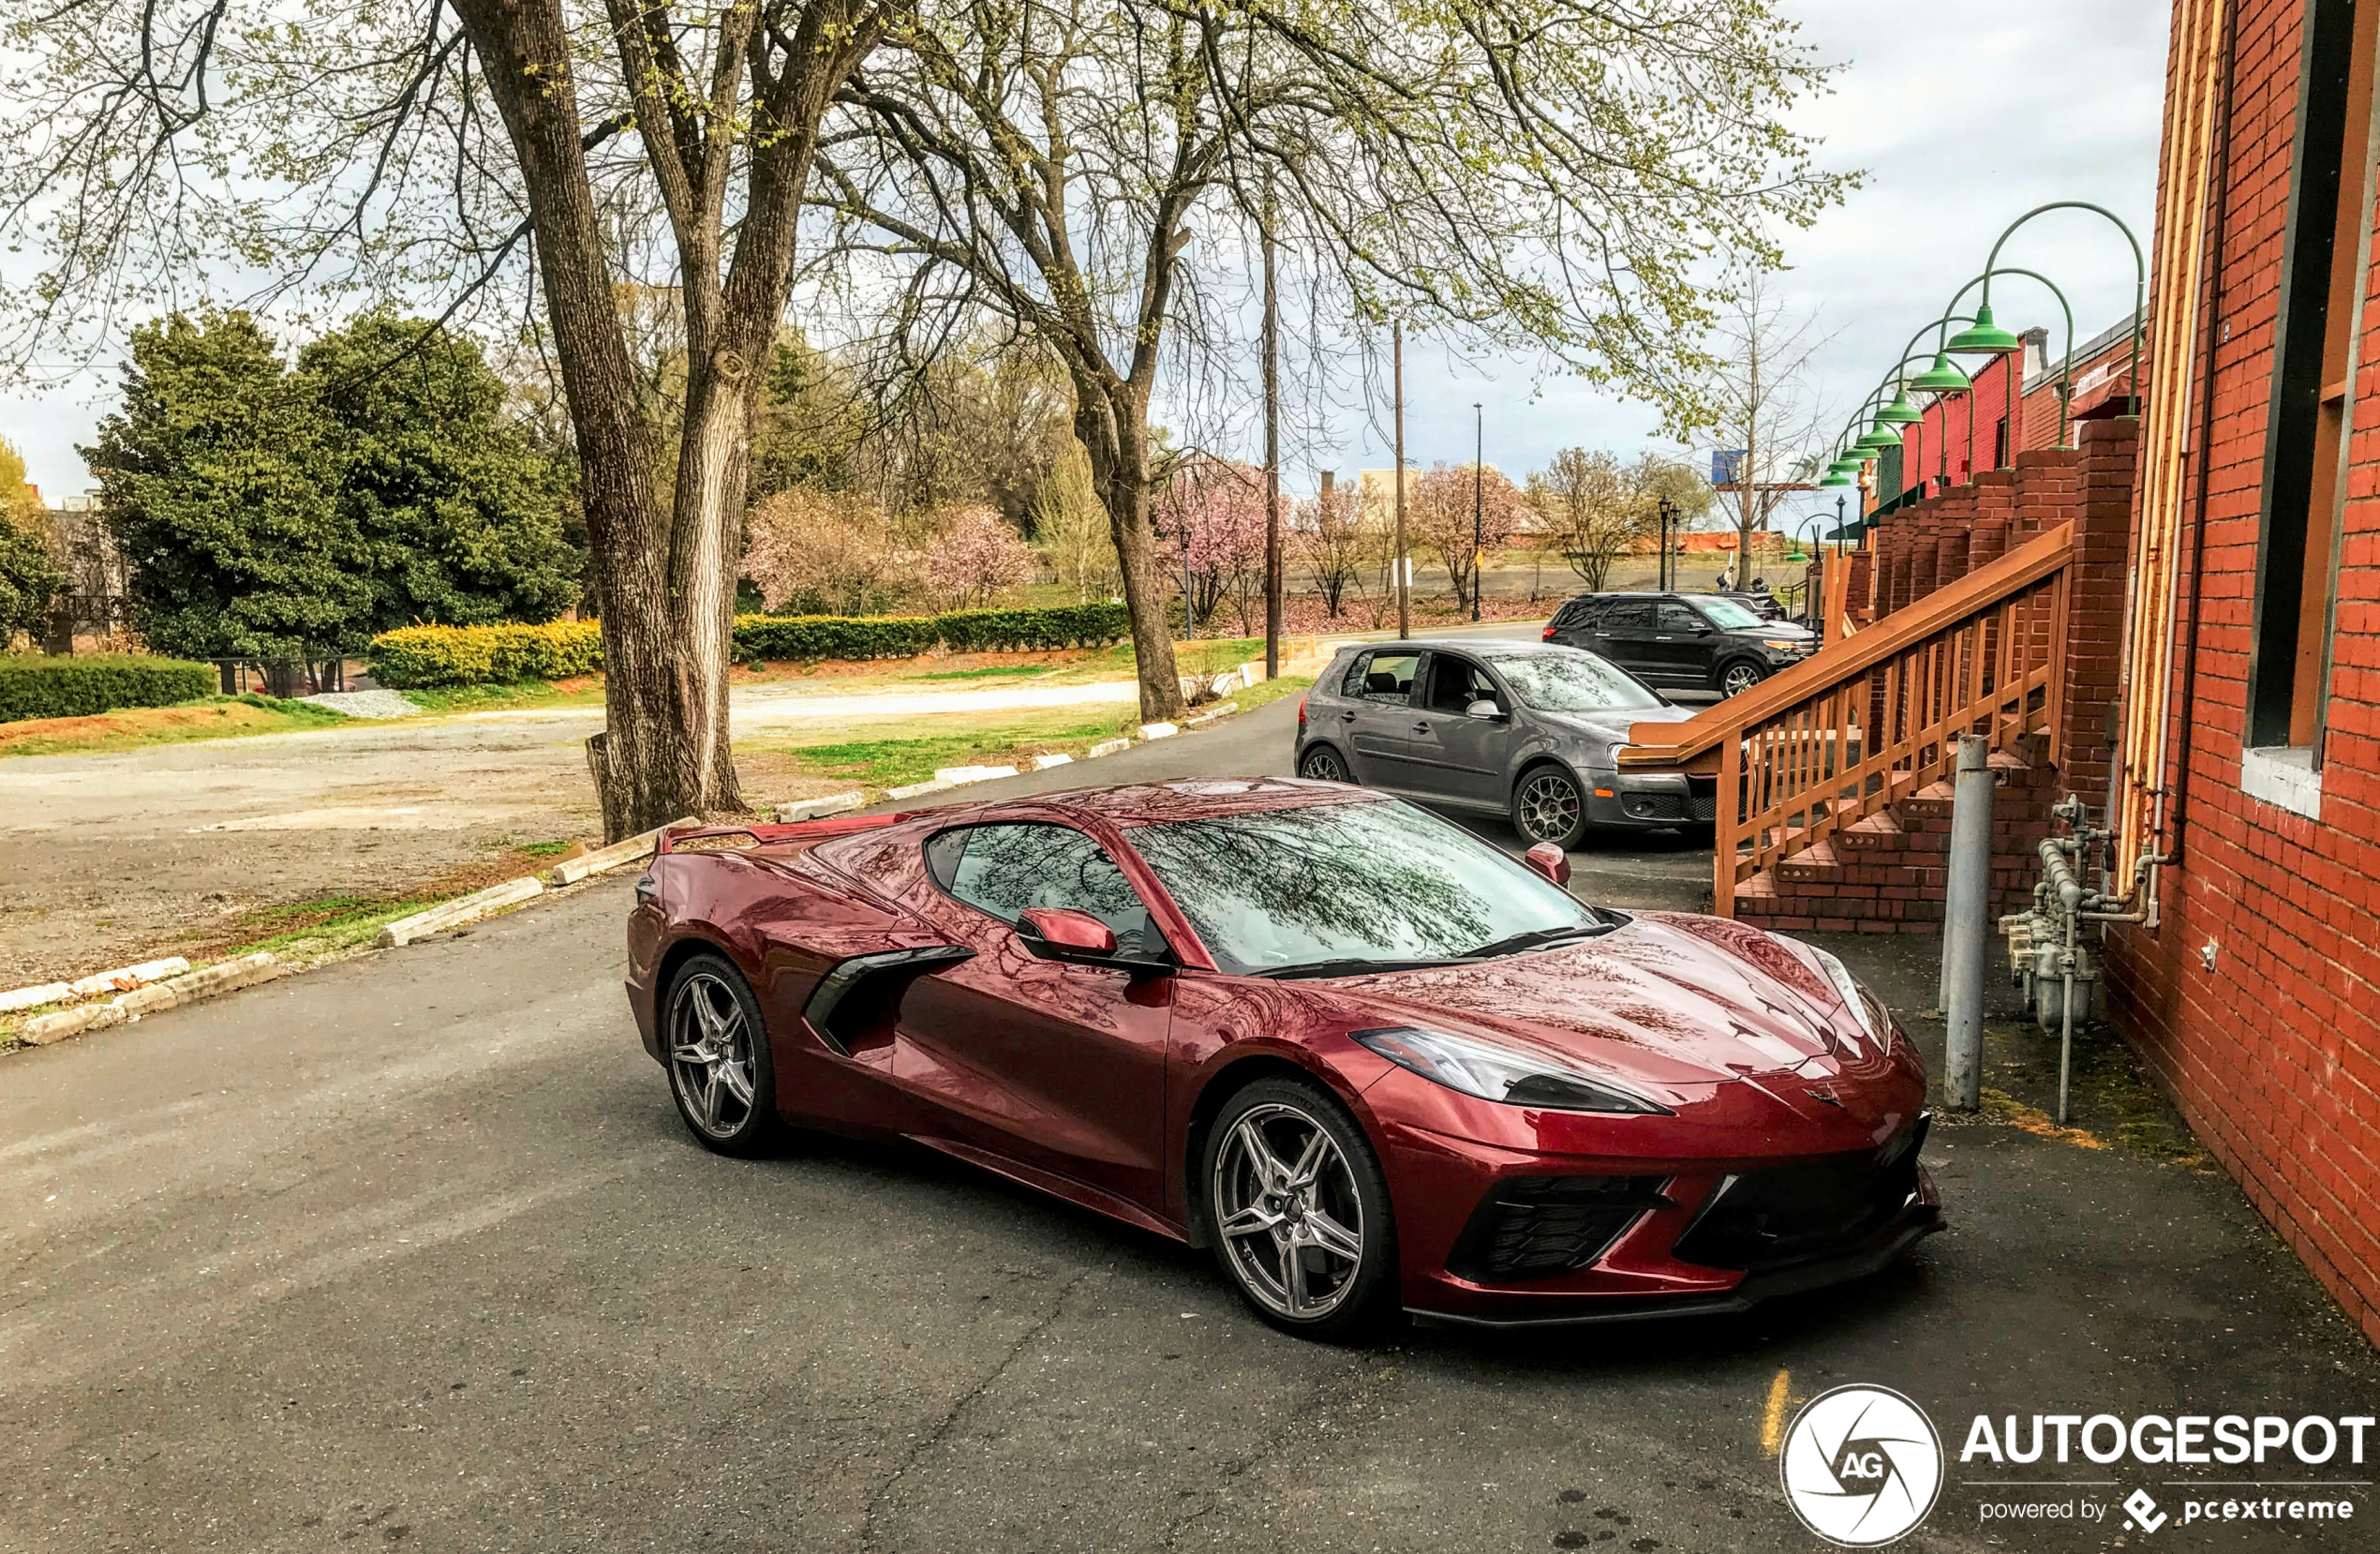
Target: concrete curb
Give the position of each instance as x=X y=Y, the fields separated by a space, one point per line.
x=954 y=775
x=188 y=987
x=1159 y=730
x=812 y=809
x=1043 y=763
x=25 y=998
x=1211 y=714
x=121 y=979
x=913 y=790
x=602 y=860
x=1106 y=747
x=465 y=909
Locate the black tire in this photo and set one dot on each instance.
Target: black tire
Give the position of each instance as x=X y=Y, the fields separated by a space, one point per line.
x=721 y=1074
x=1549 y=804
x=1322 y=764
x=1737 y=677
x=1347 y=1298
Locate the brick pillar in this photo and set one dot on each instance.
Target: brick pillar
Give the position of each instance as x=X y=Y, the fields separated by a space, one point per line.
x=1922 y=548
x=1950 y=557
x=1987 y=542
x=1860 y=599
x=2048 y=485
x=2095 y=621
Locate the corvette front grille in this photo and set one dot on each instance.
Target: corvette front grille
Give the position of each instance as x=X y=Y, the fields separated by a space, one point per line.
x=1528 y=1227
x=1790 y=1213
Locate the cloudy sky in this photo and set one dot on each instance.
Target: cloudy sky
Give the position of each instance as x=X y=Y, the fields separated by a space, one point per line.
x=1964 y=115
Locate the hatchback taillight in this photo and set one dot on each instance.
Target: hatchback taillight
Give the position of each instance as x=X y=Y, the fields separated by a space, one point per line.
x=1547 y=634
x=1301 y=713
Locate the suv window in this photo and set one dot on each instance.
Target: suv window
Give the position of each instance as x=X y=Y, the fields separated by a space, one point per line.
x=1681 y=617
x=1628 y=617
x=1578 y=612
x=1384 y=677
x=1455 y=683
x=1003 y=869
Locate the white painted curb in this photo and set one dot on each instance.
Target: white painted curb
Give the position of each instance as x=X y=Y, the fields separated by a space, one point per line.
x=1043 y=763
x=223 y=976
x=1221 y=710
x=954 y=775
x=913 y=790
x=602 y=860
x=470 y=908
x=25 y=998
x=1106 y=747
x=1159 y=730
x=812 y=809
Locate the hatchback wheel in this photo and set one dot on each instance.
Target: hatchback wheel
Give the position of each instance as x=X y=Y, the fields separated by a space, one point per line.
x=1549 y=807
x=1739 y=676
x=1299 y=1210
x=1322 y=765
x=720 y=1070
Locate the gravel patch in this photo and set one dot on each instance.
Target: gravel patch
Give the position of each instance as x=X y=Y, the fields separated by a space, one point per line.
x=365 y=704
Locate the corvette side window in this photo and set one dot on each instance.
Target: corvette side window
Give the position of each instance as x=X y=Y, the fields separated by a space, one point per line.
x=1005 y=869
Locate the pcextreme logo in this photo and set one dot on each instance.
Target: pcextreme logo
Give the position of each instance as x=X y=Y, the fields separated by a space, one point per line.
x=1861 y=1466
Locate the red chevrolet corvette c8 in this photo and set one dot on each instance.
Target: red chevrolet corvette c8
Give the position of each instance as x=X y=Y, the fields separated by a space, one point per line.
x=1370 y=1059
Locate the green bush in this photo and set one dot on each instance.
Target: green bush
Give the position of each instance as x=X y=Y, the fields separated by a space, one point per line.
x=1026 y=631
x=807 y=637
x=38 y=687
x=421 y=657
x=416 y=657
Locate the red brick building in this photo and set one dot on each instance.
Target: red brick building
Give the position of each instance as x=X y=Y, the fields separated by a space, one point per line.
x=2252 y=724
x=1965 y=433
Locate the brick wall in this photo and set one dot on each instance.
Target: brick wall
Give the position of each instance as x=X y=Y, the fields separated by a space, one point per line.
x=2274 y=1053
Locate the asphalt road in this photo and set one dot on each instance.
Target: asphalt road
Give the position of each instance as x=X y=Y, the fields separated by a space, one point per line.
x=412 y=1251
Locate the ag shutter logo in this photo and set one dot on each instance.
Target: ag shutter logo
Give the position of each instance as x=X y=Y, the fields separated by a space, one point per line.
x=1861 y=1466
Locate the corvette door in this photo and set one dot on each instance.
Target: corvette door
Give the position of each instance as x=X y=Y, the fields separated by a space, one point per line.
x=1058 y=1066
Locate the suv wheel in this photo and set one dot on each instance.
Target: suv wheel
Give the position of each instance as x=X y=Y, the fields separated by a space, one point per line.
x=1740 y=676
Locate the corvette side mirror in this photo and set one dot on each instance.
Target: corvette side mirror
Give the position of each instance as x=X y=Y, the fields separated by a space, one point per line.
x=1062 y=933
x=1484 y=709
x=1548 y=860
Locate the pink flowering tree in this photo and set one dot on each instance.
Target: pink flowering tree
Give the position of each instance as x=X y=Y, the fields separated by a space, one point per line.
x=1212 y=512
x=976 y=558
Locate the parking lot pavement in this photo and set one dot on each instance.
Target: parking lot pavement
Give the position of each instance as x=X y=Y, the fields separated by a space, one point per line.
x=413 y=1251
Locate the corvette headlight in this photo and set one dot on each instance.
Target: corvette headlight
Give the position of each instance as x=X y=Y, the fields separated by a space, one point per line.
x=1847 y=988
x=1494 y=1072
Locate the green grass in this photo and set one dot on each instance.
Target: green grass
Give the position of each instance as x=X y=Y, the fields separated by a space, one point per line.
x=518 y=695
x=994 y=671
x=1265 y=691
x=544 y=850
x=892 y=762
x=137 y=727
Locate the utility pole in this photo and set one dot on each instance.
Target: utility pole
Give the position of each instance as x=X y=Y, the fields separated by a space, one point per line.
x=1478 y=495
x=1397 y=566
x=1271 y=452
x=1661 y=567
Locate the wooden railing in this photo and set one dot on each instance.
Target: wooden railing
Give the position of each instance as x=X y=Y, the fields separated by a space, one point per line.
x=1877 y=716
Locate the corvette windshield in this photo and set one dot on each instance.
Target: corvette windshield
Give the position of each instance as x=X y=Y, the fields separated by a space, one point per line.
x=1335 y=886
x=1570 y=682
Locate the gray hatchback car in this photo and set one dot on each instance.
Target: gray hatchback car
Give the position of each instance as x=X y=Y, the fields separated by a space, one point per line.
x=1523 y=730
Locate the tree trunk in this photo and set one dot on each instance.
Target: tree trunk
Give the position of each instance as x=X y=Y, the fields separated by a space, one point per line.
x=1112 y=423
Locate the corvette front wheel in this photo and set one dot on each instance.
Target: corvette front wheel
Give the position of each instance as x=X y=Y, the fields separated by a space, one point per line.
x=1299 y=1210
x=719 y=1069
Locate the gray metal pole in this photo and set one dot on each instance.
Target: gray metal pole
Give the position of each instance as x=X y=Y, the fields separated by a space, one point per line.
x=1967 y=923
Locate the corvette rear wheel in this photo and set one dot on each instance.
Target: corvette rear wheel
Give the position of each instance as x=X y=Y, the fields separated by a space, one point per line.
x=1301 y=1211
x=720 y=1071
x=1322 y=765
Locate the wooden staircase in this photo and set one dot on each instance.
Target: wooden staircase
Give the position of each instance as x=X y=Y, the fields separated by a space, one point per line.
x=1834 y=803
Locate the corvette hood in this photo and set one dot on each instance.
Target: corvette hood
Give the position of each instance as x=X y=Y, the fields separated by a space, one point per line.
x=1666 y=1000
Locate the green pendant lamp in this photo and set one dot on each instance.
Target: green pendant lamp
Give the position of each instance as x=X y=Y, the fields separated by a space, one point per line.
x=1878 y=437
x=1983 y=337
x=1835 y=477
x=1900 y=412
x=1943 y=377
x=1866 y=453
x=1845 y=467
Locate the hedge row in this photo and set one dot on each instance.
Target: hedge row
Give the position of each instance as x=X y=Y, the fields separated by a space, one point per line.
x=422 y=656
x=39 y=687
x=415 y=656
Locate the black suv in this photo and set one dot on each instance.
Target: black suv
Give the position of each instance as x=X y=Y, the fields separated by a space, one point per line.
x=1681 y=641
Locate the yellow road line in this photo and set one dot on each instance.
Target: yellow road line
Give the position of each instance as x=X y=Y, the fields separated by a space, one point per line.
x=1773 y=1422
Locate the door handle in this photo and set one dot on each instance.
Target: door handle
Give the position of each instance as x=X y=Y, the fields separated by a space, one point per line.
x=1347 y=717
x=1421 y=728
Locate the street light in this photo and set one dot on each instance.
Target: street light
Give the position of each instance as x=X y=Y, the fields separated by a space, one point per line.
x=2139 y=282
x=1478 y=498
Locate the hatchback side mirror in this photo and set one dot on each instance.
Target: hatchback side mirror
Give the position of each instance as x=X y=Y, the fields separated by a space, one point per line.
x=1484 y=709
x=1548 y=860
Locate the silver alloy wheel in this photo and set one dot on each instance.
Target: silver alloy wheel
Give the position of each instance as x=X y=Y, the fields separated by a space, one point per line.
x=710 y=1054
x=1321 y=765
x=1738 y=678
x=1549 y=807
x=1286 y=1210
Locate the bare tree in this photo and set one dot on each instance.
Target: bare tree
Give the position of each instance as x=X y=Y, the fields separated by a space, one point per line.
x=469 y=151
x=1589 y=512
x=1087 y=171
x=1762 y=410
